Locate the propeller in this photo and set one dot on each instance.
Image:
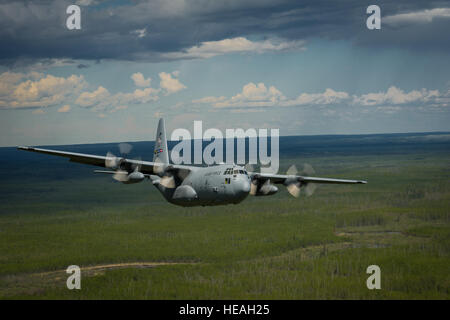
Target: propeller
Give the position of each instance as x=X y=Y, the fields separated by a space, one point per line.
x=254 y=183
x=125 y=148
x=112 y=161
x=266 y=187
x=166 y=172
x=293 y=185
x=308 y=170
x=168 y=181
x=254 y=187
x=121 y=175
x=310 y=188
x=123 y=169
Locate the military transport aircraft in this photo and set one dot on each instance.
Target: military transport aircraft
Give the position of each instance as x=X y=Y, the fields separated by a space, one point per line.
x=185 y=185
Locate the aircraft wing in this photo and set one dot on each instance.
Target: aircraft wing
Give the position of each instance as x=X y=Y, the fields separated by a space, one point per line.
x=283 y=178
x=146 y=167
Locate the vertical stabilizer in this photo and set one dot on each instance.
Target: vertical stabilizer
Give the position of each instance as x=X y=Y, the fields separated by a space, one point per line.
x=161 y=154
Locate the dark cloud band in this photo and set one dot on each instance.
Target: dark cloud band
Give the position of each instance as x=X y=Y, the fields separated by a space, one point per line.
x=149 y=30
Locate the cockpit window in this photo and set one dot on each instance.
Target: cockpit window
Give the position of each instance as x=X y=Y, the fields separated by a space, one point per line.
x=235 y=171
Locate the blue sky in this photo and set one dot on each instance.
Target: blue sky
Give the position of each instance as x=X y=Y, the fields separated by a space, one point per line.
x=300 y=75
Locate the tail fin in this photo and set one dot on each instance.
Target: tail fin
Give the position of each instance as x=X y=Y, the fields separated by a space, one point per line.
x=161 y=154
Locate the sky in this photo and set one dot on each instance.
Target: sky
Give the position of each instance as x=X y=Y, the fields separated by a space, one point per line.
x=303 y=67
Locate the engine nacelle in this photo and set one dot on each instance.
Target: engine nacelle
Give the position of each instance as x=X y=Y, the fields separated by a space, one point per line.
x=266 y=190
x=134 y=177
x=184 y=193
x=114 y=163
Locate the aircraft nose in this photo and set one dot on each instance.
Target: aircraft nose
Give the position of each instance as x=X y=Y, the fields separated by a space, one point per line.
x=243 y=186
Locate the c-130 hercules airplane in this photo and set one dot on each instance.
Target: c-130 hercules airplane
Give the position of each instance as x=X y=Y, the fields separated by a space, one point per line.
x=189 y=186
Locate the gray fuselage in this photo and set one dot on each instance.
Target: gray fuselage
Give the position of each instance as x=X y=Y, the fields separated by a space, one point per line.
x=206 y=186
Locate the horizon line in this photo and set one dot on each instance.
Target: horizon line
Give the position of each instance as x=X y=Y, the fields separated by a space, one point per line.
x=284 y=136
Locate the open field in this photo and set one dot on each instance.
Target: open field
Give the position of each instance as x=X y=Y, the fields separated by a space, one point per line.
x=134 y=245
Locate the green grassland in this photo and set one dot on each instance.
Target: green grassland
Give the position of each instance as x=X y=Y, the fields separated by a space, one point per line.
x=275 y=247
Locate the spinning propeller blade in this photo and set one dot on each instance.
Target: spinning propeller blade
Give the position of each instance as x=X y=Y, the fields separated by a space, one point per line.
x=294 y=187
x=168 y=182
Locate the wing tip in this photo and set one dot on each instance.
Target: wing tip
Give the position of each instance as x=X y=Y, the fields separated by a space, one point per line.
x=24 y=148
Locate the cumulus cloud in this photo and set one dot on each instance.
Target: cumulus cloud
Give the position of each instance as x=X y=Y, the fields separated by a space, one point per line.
x=139 y=80
x=137 y=96
x=252 y=95
x=258 y=92
x=89 y=99
x=101 y=98
x=8 y=81
x=396 y=96
x=210 y=49
x=169 y=83
x=329 y=96
x=37 y=90
x=258 y=96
